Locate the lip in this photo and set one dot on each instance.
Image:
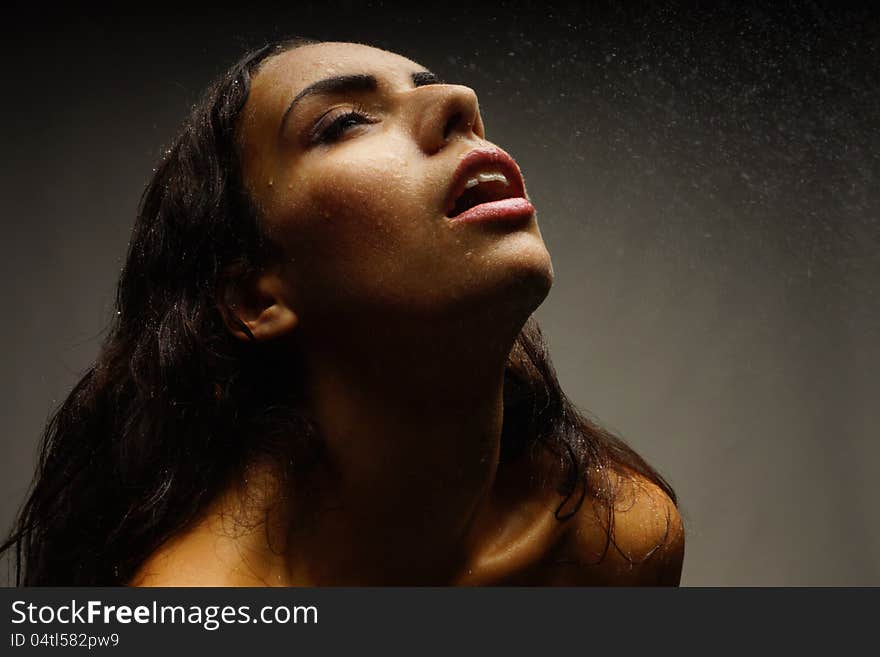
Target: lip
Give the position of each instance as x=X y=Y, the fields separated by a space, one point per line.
x=513 y=207
x=504 y=210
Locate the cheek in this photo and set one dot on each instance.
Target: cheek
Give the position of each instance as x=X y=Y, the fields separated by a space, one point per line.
x=358 y=197
x=360 y=230
x=370 y=188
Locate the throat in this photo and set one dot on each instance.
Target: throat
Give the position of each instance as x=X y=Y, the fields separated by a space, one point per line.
x=406 y=476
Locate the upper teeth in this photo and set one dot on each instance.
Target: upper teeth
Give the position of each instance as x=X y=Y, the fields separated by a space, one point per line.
x=489 y=176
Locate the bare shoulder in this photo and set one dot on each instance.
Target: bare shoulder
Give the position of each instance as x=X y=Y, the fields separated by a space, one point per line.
x=199 y=557
x=638 y=542
x=173 y=565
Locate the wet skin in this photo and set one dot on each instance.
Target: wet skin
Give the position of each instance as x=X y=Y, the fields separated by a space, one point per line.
x=363 y=216
x=401 y=320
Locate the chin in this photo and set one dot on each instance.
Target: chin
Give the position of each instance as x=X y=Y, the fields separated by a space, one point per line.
x=528 y=274
x=528 y=255
x=537 y=279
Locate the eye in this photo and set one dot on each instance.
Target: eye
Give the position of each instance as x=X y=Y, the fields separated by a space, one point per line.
x=333 y=125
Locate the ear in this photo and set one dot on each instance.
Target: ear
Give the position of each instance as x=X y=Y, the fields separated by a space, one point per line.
x=254 y=306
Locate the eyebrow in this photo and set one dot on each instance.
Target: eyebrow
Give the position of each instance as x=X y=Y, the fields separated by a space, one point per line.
x=340 y=84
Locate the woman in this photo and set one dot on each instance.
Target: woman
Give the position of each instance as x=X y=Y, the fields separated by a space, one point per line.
x=323 y=368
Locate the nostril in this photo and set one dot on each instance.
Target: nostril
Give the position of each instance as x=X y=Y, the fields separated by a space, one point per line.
x=452 y=123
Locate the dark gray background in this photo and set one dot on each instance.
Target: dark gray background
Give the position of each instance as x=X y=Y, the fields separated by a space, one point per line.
x=706 y=180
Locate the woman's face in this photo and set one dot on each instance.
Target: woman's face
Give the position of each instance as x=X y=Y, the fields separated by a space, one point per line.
x=351 y=154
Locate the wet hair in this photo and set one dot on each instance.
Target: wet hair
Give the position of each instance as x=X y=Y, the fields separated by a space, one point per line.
x=175 y=406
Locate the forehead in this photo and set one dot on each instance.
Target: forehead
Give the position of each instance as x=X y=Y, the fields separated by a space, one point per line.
x=282 y=76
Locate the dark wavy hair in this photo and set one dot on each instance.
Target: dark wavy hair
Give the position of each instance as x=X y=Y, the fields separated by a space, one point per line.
x=175 y=406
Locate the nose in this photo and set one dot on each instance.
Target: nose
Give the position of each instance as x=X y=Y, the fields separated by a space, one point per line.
x=442 y=112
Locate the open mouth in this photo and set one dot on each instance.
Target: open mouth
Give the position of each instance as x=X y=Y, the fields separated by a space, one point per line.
x=484 y=176
x=484 y=187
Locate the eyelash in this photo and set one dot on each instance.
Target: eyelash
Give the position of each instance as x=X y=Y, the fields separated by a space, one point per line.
x=340 y=125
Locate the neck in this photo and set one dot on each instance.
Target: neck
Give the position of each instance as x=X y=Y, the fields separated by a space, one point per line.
x=411 y=429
